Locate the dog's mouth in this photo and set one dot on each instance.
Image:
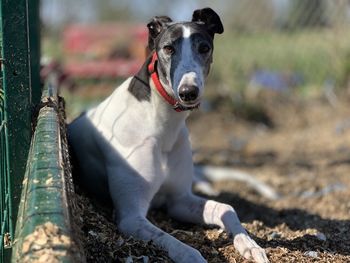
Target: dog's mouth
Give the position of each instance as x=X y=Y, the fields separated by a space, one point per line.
x=189 y=104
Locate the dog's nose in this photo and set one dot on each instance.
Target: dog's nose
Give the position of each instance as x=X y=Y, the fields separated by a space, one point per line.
x=188 y=92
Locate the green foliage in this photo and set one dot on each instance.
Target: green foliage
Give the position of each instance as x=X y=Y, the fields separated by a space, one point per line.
x=109 y=11
x=317 y=55
x=251 y=16
x=309 y=13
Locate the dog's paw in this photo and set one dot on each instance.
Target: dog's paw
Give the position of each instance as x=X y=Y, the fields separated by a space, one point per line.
x=187 y=254
x=249 y=249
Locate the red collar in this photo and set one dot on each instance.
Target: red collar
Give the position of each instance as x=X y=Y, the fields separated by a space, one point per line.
x=154 y=75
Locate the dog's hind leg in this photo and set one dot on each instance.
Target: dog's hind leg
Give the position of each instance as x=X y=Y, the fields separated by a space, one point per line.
x=194 y=209
x=206 y=173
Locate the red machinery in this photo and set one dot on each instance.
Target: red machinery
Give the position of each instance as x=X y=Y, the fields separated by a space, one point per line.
x=103 y=51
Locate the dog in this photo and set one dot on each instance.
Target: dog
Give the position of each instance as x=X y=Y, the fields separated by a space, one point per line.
x=134 y=148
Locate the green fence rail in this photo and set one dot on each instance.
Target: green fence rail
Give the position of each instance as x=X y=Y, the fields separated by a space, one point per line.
x=44 y=227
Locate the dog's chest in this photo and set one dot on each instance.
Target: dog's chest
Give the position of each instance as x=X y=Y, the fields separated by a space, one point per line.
x=167 y=136
x=126 y=123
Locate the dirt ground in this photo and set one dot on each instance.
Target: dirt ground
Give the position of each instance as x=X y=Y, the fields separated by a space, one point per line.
x=305 y=157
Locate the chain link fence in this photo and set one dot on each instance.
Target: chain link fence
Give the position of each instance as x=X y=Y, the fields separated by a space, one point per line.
x=5 y=221
x=5 y=193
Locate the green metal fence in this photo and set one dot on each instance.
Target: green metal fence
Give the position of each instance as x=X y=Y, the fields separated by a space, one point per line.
x=5 y=205
x=35 y=181
x=19 y=92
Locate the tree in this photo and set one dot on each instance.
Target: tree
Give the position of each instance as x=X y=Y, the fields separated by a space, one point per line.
x=251 y=15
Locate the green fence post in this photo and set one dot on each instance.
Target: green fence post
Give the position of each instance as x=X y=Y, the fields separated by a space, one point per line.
x=18 y=104
x=20 y=71
x=34 y=48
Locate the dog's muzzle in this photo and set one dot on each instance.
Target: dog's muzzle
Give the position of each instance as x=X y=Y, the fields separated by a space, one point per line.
x=177 y=105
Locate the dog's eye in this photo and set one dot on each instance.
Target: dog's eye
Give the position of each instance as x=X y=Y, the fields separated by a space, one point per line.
x=203 y=48
x=169 y=50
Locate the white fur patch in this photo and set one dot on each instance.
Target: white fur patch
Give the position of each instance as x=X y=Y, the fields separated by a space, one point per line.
x=186 y=32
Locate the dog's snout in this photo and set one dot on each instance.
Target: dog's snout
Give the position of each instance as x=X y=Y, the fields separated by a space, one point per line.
x=188 y=93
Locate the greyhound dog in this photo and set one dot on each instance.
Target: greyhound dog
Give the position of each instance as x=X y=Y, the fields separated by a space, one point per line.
x=133 y=149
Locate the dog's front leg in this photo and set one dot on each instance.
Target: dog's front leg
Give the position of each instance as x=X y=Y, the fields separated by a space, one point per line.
x=185 y=206
x=140 y=228
x=132 y=185
x=194 y=209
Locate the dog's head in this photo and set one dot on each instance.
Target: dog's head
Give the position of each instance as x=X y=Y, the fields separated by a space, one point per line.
x=184 y=52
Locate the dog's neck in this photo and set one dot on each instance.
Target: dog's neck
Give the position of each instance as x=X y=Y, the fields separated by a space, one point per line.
x=167 y=123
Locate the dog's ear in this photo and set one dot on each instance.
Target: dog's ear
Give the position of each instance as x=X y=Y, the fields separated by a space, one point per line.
x=211 y=20
x=155 y=26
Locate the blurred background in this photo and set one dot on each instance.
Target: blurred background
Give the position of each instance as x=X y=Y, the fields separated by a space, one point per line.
x=282 y=46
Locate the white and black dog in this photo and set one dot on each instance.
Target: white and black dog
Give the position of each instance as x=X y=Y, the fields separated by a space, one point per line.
x=134 y=149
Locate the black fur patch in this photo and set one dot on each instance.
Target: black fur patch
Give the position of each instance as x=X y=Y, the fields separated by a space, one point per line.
x=172 y=36
x=139 y=85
